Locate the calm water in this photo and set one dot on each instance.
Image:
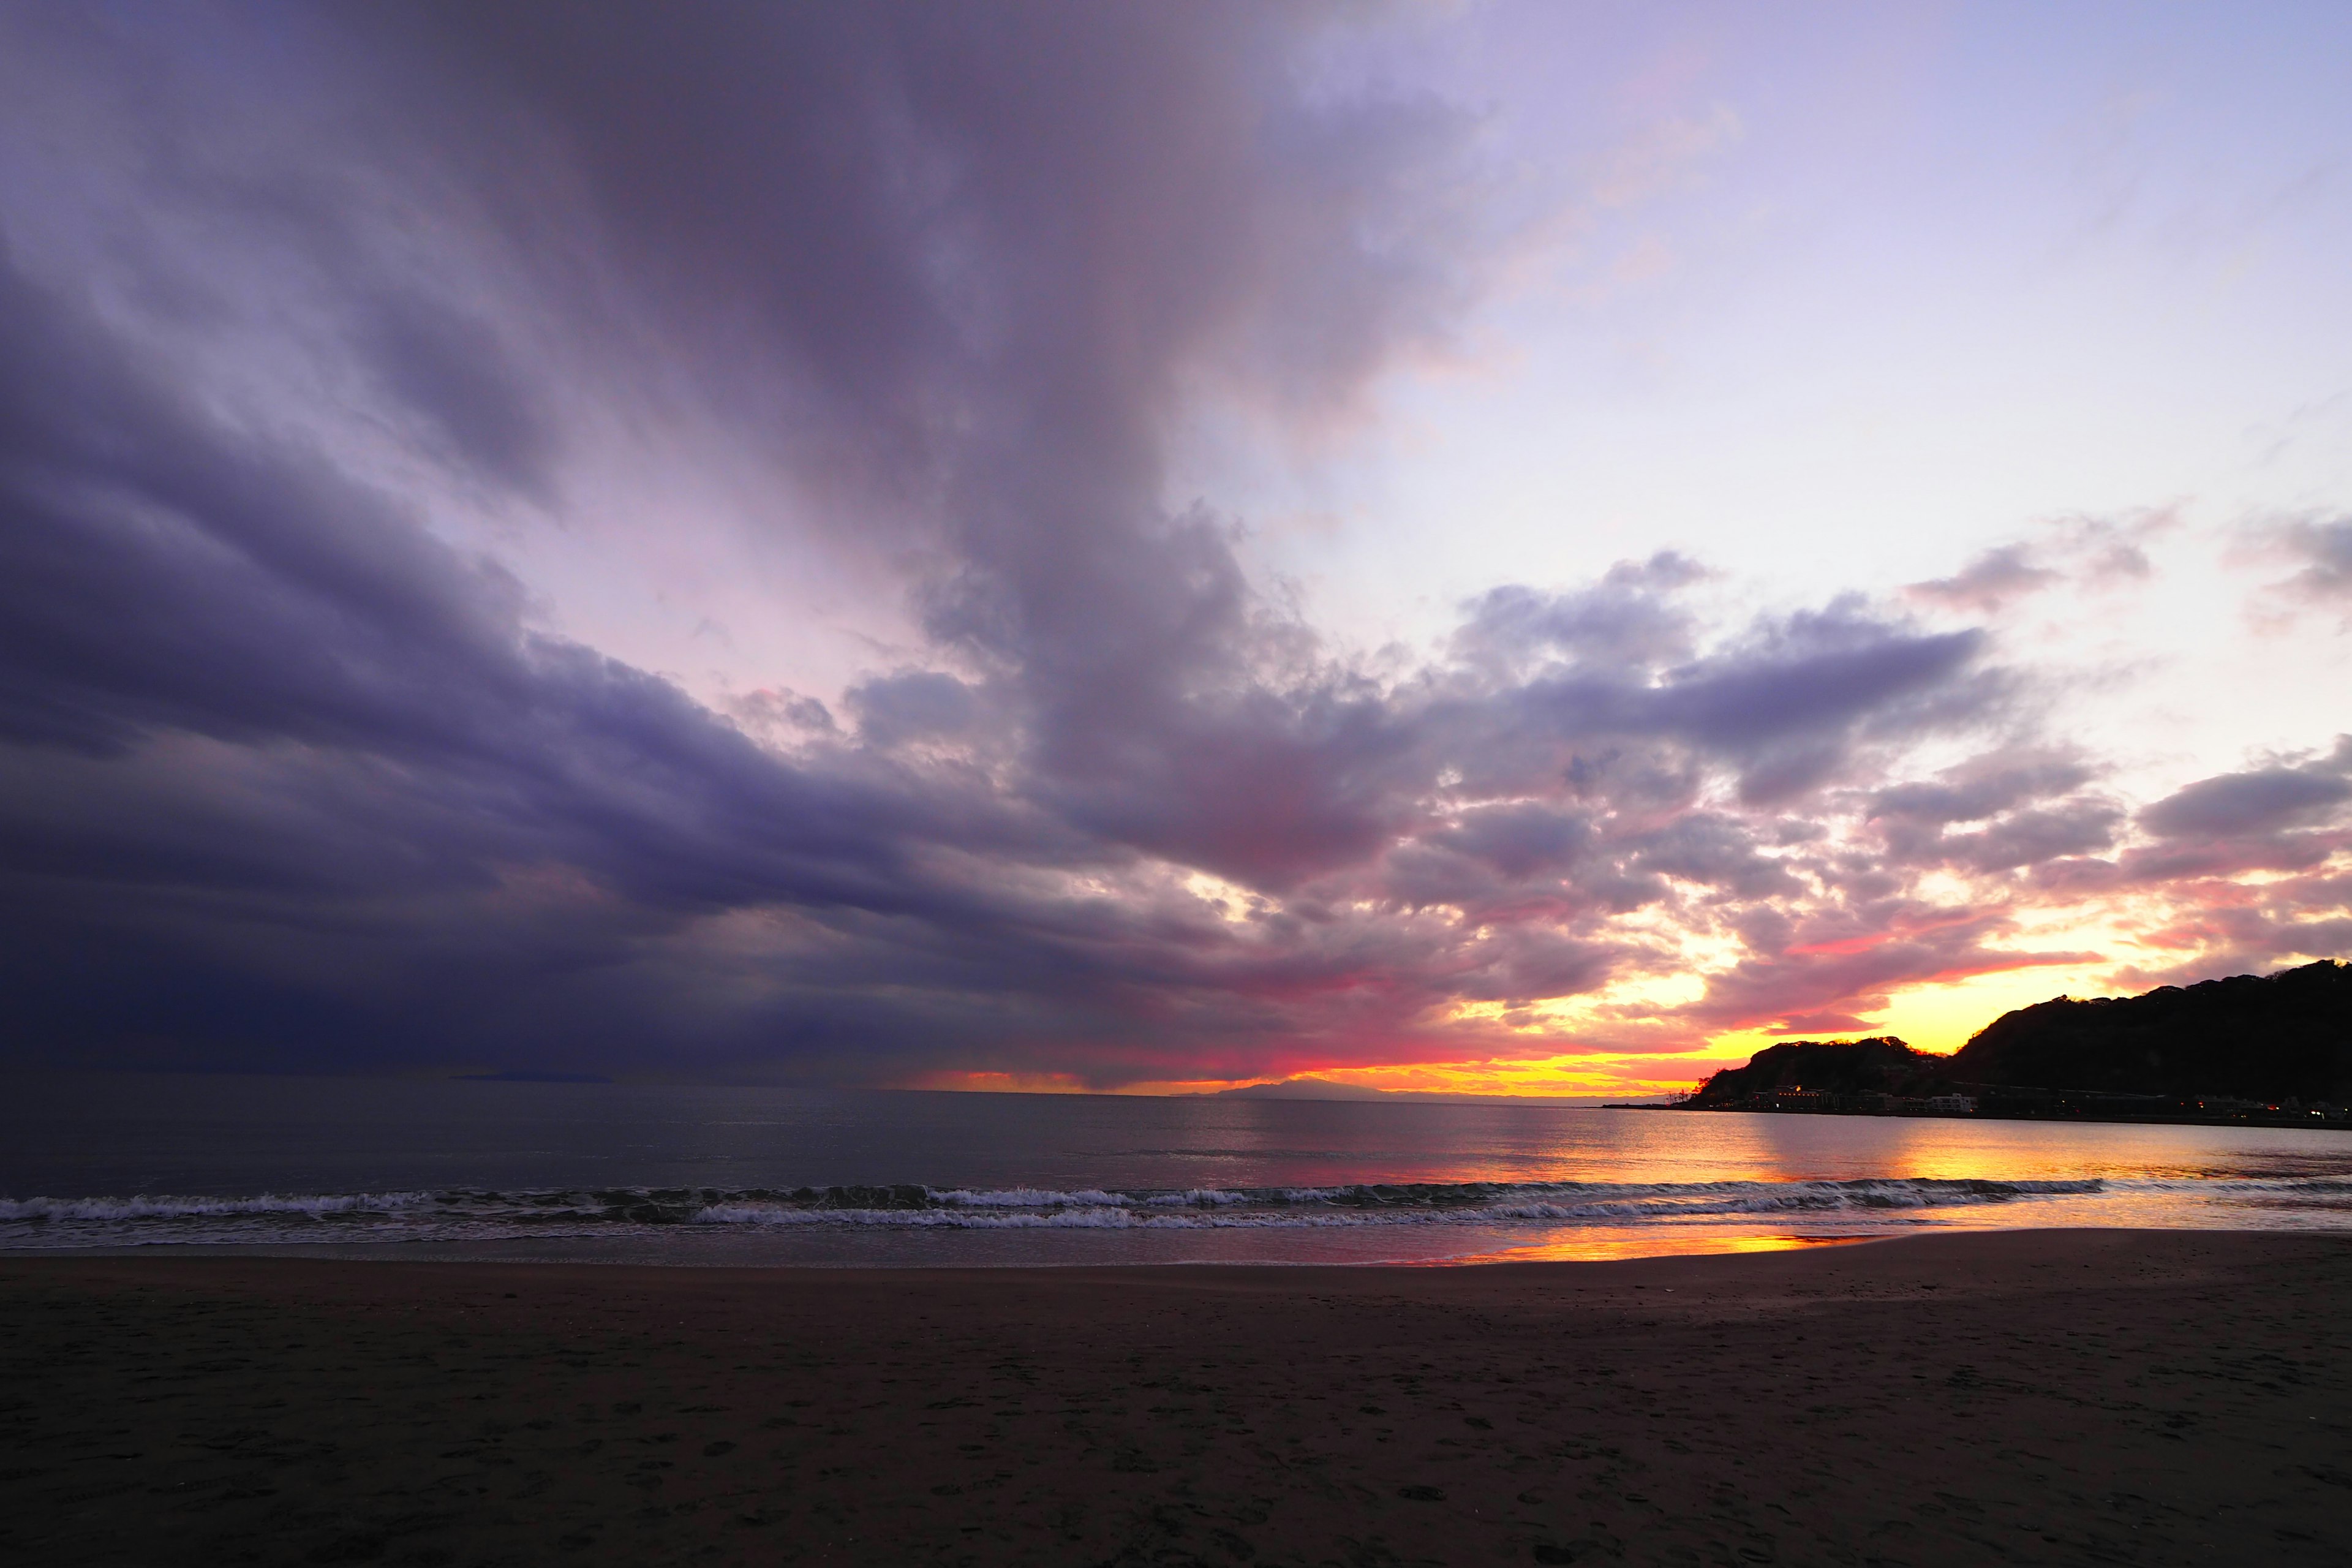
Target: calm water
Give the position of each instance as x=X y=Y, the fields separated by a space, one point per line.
x=699 y=1174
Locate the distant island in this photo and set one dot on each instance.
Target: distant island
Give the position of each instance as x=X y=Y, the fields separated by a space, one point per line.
x=2272 y=1050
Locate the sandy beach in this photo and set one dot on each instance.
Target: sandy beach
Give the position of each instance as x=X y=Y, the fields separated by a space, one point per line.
x=2051 y=1396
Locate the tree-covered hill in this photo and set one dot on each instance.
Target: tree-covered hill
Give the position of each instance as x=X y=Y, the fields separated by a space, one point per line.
x=2264 y=1038
x=1882 y=1066
x=2288 y=1035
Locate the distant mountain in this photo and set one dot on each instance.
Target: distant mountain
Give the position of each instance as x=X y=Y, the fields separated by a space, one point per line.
x=1305 y=1088
x=1329 y=1089
x=2274 y=1038
x=2288 y=1035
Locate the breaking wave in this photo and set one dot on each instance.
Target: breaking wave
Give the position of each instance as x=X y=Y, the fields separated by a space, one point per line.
x=1449 y=1204
x=467 y=1215
x=315 y=1205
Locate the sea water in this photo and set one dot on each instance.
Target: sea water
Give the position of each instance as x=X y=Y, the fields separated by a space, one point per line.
x=742 y=1176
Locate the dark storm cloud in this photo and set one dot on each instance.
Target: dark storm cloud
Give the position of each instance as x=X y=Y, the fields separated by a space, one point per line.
x=166 y=573
x=159 y=577
x=985 y=253
x=966 y=254
x=287 y=768
x=459 y=382
x=379 y=722
x=972 y=253
x=916 y=705
x=287 y=780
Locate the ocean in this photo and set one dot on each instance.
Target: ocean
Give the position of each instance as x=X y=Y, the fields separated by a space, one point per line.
x=676 y=1174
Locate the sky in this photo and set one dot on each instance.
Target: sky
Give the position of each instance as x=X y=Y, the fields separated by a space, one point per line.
x=1478 y=547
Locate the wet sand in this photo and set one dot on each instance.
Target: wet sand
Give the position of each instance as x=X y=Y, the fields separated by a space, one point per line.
x=2052 y=1396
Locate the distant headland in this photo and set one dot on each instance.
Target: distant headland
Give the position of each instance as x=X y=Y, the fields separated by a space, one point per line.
x=2272 y=1050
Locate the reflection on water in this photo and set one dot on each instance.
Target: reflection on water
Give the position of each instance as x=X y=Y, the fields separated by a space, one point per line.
x=1607 y=1246
x=685 y=1174
x=1709 y=1146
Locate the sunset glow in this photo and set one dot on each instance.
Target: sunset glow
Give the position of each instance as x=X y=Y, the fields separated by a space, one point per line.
x=1035 y=782
x=1500 y=549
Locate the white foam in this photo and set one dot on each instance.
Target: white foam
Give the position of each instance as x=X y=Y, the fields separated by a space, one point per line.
x=1304 y=1208
x=1107 y=1218
x=51 y=1222
x=1199 y=1198
x=1027 y=1197
x=316 y=1206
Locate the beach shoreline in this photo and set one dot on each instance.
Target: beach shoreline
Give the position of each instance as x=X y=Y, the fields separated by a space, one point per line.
x=1941 y=1400
x=2046 y=1395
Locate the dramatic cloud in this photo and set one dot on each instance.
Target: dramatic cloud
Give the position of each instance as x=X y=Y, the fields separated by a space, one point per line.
x=296 y=772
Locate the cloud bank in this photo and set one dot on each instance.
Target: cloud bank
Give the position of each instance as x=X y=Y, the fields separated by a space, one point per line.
x=296 y=774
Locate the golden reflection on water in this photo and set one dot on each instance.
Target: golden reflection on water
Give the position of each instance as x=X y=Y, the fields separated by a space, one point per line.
x=1701 y=1146
x=1613 y=1246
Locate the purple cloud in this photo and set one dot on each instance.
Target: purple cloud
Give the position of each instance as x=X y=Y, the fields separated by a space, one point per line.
x=2258 y=800
x=290 y=780
x=2323 y=553
x=1987 y=584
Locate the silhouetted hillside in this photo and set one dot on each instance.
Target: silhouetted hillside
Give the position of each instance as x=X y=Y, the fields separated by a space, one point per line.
x=2267 y=1038
x=2288 y=1035
x=1883 y=1065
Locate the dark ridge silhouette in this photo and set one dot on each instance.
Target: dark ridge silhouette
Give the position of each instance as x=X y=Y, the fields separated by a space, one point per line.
x=1882 y=1065
x=2285 y=1036
x=2229 y=1046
